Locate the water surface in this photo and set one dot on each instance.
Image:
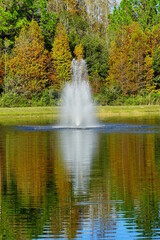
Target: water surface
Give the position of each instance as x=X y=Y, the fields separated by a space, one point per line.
x=84 y=184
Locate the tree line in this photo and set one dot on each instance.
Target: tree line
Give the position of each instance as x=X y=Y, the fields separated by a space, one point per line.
x=120 y=42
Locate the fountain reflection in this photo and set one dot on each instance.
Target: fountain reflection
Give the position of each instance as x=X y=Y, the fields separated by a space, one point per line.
x=78 y=147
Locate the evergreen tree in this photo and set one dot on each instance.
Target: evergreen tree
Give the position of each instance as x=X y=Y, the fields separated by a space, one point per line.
x=155 y=37
x=147 y=13
x=2 y=68
x=79 y=51
x=127 y=59
x=156 y=67
x=28 y=63
x=149 y=74
x=13 y=15
x=47 y=20
x=61 y=56
x=123 y=15
x=96 y=54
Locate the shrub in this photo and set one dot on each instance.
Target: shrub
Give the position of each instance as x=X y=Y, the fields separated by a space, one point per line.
x=14 y=100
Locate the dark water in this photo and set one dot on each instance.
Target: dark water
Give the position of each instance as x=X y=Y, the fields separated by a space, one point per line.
x=84 y=184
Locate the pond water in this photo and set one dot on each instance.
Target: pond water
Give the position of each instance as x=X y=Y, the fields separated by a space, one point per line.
x=99 y=183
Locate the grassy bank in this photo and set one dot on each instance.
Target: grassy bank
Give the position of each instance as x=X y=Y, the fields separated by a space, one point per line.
x=127 y=111
x=50 y=114
x=28 y=114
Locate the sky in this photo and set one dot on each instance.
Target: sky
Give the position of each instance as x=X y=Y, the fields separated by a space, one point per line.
x=118 y=2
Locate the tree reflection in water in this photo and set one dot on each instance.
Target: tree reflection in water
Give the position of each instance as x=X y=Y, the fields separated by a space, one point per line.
x=79 y=183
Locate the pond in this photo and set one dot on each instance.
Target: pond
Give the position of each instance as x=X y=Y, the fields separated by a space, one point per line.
x=99 y=183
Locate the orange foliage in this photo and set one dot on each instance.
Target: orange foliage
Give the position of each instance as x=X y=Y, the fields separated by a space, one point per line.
x=79 y=51
x=1 y=68
x=127 y=59
x=155 y=37
x=29 y=61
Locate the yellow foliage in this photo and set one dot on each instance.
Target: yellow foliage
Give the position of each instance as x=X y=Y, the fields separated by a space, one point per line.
x=1 y=68
x=61 y=56
x=78 y=51
x=150 y=86
x=127 y=59
x=29 y=61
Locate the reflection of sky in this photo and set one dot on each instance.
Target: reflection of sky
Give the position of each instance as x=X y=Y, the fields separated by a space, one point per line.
x=121 y=231
x=89 y=230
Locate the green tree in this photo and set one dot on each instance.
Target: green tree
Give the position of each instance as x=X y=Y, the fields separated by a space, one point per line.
x=28 y=64
x=96 y=54
x=13 y=15
x=47 y=20
x=61 y=56
x=121 y=16
x=146 y=12
x=77 y=28
x=95 y=83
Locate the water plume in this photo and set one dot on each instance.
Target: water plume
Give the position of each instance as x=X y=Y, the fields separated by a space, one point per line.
x=78 y=109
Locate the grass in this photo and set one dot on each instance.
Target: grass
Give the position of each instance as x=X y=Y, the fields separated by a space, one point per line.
x=127 y=111
x=28 y=114
x=50 y=114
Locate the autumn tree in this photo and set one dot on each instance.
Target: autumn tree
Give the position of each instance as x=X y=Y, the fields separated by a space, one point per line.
x=155 y=37
x=62 y=5
x=61 y=56
x=127 y=59
x=98 y=12
x=149 y=74
x=156 y=67
x=78 y=51
x=2 y=68
x=28 y=63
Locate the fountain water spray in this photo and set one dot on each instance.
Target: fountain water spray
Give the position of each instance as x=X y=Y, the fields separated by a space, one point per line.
x=77 y=105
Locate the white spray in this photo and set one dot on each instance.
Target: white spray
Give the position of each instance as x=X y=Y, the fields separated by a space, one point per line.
x=77 y=105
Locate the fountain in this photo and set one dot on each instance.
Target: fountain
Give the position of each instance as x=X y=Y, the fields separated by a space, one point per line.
x=77 y=105
x=78 y=110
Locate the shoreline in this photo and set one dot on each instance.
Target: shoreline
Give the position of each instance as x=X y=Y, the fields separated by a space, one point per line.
x=128 y=111
x=50 y=114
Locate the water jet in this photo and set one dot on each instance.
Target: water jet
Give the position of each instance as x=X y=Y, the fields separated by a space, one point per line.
x=78 y=109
